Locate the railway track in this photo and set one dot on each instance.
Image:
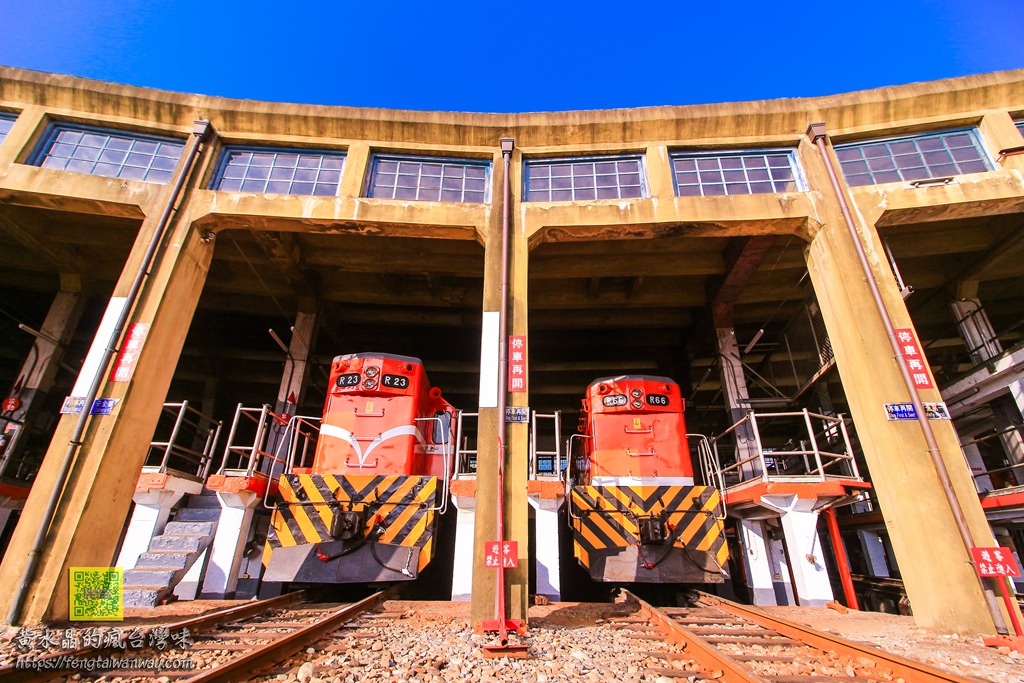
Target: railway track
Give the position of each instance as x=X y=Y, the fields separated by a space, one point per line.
x=233 y=644
x=731 y=643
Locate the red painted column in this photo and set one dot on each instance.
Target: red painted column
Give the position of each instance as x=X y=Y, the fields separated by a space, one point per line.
x=844 y=564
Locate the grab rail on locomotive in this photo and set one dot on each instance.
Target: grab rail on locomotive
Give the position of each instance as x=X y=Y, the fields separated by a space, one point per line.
x=787 y=446
x=190 y=445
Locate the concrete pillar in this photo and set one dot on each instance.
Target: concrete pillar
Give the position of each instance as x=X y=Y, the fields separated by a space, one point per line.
x=462 y=574
x=294 y=381
x=757 y=562
x=546 y=527
x=935 y=563
x=737 y=398
x=980 y=338
x=874 y=552
x=800 y=527
x=100 y=484
x=236 y=516
x=974 y=461
x=40 y=368
x=297 y=364
x=516 y=446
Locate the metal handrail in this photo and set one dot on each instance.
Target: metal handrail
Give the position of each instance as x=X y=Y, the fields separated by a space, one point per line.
x=443 y=507
x=535 y=454
x=295 y=423
x=184 y=426
x=459 y=450
x=254 y=455
x=711 y=468
x=823 y=460
x=568 y=473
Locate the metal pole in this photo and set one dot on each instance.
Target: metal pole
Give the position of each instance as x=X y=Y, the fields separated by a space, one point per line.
x=199 y=132
x=816 y=131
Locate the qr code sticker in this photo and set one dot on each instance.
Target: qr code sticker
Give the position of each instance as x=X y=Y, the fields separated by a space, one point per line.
x=96 y=594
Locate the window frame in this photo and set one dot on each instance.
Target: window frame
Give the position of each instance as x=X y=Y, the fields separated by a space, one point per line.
x=226 y=150
x=55 y=128
x=645 y=189
x=7 y=116
x=798 y=180
x=972 y=132
x=398 y=157
x=1019 y=123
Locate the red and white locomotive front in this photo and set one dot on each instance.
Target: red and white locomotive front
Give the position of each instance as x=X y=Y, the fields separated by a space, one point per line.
x=366 y=508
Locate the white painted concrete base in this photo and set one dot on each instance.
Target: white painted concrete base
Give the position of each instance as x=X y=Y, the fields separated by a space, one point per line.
x=228 y=544
x=549 y=582
x=757 y=562
x=465 y=524
x=800 y=526
x=152 y=510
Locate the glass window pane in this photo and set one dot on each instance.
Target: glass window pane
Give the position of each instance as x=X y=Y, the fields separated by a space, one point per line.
x=734 y=173
x=106 y=153
x=916 y=157
x=424 y=179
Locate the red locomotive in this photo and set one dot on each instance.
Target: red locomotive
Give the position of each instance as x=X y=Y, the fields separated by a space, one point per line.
x=636 y=512
x=366 y=509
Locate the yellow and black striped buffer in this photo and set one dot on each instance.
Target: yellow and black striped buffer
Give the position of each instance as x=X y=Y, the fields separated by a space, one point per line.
x=396 y=508
x=609 y=518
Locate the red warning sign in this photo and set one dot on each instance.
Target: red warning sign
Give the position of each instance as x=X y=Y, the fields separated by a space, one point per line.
x=517 y=363
x=995 y=562
x=129 y=354
x=501 y=554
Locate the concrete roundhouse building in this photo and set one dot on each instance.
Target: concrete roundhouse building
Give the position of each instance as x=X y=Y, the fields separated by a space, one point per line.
x=715 y=244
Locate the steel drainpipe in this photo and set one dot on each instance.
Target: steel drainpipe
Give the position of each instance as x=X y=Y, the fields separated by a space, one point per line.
x=200 y=130
x=816 y=131
x=507 y=144
x=842 y=561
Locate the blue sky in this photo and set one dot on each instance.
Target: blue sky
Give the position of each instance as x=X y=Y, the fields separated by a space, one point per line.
x=512 y=56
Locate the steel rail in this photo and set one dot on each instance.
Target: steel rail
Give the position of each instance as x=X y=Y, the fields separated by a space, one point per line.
x=245 y=667
x=705 y=654
x=907 y=669
x=202 y=622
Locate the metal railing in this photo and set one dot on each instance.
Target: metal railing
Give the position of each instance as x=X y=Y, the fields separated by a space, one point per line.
x=545 y=463
x=710 y=468
x=190 y=446
x=777 y=453
x=259 y=443
x=465 y=457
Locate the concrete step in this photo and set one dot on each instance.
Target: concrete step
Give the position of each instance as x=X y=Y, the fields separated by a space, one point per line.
x=148 y=578
x=189 y=528
x=177 y=544
x=173 y=561
x=144 y=597
x=197 y=514
x=204 y=500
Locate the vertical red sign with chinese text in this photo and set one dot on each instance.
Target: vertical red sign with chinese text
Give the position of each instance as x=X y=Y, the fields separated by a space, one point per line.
x=913 y=358
x=129 y=354
x=517 y=363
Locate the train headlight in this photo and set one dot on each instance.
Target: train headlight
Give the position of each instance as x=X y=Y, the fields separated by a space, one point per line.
x=636 y=393
x=370 y=383
x=371 y=371
x=614 y=400
x=637 y=403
